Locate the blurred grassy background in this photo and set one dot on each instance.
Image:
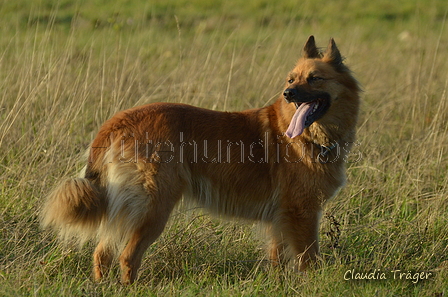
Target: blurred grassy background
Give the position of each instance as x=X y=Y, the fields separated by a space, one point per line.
x=67 y=66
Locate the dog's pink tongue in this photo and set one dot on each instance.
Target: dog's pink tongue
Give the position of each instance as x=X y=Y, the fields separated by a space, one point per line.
x=297 y=124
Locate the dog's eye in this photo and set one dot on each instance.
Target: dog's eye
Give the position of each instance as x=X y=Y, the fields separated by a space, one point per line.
x=290 y=81
x=314 y=79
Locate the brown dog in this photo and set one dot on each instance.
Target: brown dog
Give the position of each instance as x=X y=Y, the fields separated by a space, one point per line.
x=278 y=164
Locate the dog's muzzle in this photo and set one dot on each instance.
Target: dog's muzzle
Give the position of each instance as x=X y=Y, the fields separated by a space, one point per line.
x=301 y=96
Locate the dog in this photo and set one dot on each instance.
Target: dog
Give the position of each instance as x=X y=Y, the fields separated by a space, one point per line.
x=278 y=164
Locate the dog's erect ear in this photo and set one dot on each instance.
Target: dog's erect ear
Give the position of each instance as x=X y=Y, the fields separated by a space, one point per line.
x=310 y=50
x=332 y=55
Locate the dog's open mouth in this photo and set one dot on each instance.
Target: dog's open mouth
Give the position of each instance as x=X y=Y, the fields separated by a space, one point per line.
x=306 y=114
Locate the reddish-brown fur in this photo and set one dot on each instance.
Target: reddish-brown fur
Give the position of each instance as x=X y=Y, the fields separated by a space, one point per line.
x=238 y=164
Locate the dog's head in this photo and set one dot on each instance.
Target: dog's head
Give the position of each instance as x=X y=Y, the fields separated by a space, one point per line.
x=316 y=83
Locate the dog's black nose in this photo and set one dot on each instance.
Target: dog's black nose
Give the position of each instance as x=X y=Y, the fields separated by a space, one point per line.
x=290 y=94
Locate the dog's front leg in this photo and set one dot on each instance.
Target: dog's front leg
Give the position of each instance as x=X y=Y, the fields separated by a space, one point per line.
x=299 y=229
x=276 y=246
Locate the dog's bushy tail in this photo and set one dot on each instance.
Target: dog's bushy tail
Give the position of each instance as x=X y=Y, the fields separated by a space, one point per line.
x=75 y=208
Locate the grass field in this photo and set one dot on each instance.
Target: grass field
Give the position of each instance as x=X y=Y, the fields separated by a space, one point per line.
x=67 y=66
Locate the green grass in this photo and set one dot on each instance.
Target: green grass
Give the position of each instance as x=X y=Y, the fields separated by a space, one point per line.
x=67 y=66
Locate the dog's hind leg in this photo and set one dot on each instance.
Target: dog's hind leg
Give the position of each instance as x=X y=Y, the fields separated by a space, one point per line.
x=162 y=203
x=102 y=259
x=141 y=239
